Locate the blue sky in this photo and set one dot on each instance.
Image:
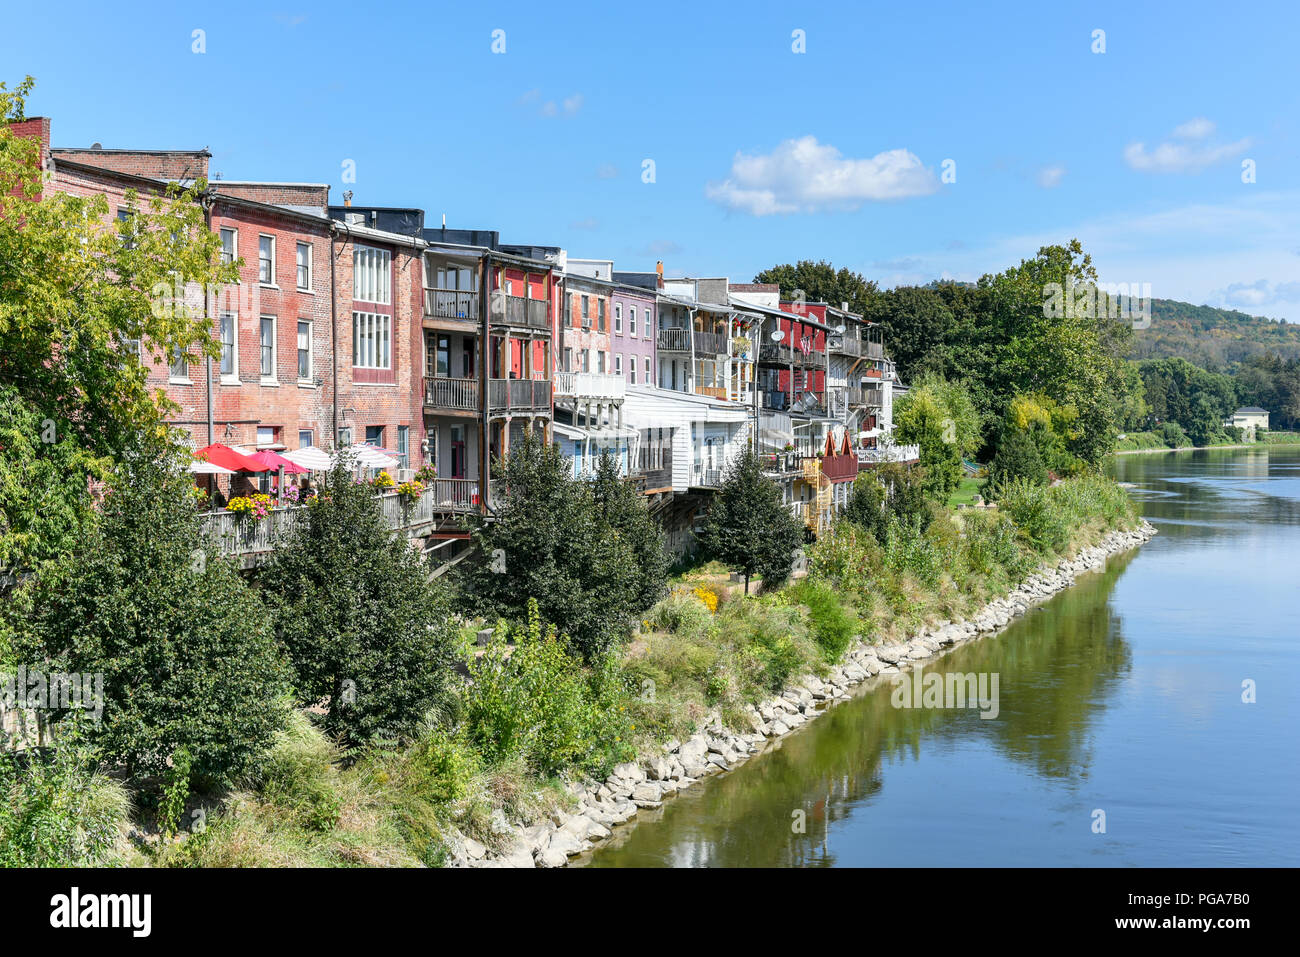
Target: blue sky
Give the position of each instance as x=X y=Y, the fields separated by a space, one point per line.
x=761 y=155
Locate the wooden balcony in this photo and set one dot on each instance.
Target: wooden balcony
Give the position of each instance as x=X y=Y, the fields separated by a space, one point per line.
x=590 y=385
x=519 y=395
x=521 y=312
x=875 y=350
x=444 y=393
x=845 y=345
x=711 y=390
x=840 y=468
x=451 y=304
x=706 y=478
x=674 y=340
x=710 y=343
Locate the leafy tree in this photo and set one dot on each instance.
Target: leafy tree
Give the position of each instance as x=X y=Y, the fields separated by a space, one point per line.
x=188 y=658
x=891 y=491
x=1017 y=458
x=821 y=282
x=79 y=289
x=620 y=506
x=748 y=527
x=938 y=416
x=549 y=540
x=361 y=620
x=918 y=328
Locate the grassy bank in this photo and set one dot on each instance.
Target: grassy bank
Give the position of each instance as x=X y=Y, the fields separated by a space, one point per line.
x=535 y=718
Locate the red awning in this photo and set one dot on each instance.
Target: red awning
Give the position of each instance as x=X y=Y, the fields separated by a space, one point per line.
x=226 y=457
x=276 y=462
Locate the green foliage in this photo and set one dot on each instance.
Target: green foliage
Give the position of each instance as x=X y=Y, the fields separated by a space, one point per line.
x=175 y=792
x=56 y=810
x=297 y=775
x=1017 y=458
x=589 y=566
x=1172 y=434
x=540 y=703
x=821 y=282
x=748 y=527
x=908 y=550
x=833 y=625
x=889 y=491
x=940 y=417
x=361 y=621
x=188 y=658
x=621 y=509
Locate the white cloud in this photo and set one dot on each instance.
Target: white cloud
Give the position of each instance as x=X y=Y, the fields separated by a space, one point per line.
x=1051 y=176
x=606 y=171
x=1196 y=129
x=1186 y=157
x=589 y=223
x=803 y=175
x=572 y=104
x=1260 y=294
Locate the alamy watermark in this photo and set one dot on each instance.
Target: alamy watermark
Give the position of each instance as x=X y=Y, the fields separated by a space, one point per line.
x=933 y=689
x=1130 y=302
x=50 y=691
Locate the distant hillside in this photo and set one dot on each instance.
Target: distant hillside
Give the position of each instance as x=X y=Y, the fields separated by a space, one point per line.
x=1210 y=337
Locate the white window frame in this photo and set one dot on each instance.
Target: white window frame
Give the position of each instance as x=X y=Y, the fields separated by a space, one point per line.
x=647 y=368
x=649 y=321
x=372 y=275
x=631 y=371
x=631 y=321
x=231 y=377
x=261 y=281
x=234 y=244
x=181 y=359
x=372 y=340
x=311 y=438
x=618 y=318
x=299 y=266
x=268 y=377
x=311 y=370
x=618 y=363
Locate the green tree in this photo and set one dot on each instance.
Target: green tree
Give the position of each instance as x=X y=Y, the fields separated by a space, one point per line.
x=1017 y=458
x=362 y=622
x=187 y=655
x=821 y=282
x=918 y=330
x=749 y=528
x=889 y=491
x=940 y=417
x=548 y=540
x=624 y=510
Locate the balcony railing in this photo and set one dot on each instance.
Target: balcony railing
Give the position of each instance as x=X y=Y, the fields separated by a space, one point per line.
x=707 y=478
x=235 y=535
x=450 y=304
x=840 y=468
x=711 y=390
x=779 y=463
x=661 y=476
x=596 y=385
x=523 y=395
x=443 y=393
x=845 y=345
x=710 y=343
x=893 y=453
x=875 y=350
x=518 y=311
x=674 y=340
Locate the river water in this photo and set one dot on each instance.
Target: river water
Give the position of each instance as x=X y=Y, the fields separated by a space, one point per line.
x=1120 y=704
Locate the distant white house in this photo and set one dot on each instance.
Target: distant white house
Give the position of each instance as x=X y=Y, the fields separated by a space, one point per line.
x=1249 y=418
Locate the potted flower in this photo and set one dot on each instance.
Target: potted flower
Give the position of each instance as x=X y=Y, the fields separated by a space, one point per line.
x=410 y=491
x=382 y=482
x=426 y=474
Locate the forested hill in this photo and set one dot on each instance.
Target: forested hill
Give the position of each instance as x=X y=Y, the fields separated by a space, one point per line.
x=1211 y=337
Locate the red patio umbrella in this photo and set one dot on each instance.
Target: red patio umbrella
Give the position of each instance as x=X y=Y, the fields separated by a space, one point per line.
x=274 y=460
x=226 y=457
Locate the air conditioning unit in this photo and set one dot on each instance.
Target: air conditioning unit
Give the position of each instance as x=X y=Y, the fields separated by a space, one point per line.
x=586 y=322
x=405 y=475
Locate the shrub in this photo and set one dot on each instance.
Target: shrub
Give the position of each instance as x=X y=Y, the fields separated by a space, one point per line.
x=540 y=703
x=1017 y=457
x=1172 y=434
x=297 y=775
x=908 y=551
x=363 y=624
x=832 y=625
x=682 y=612
x=56 y=810
x=749 y=528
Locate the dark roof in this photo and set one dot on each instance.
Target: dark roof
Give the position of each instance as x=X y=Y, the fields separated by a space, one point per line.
x=1253 y=408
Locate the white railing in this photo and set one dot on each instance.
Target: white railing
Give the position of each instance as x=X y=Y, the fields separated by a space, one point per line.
x=891 y=453
x=596 y=385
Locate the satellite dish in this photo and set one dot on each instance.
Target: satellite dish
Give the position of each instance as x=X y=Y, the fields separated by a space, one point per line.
x=840 y=328
x=778 y=335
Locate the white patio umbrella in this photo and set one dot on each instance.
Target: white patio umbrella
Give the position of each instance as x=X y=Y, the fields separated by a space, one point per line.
x=208 y=468
x=371 y=456
x=310 y=457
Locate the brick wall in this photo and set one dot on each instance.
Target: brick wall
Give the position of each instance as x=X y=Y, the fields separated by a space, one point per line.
x=166 y=165
x=279 y=194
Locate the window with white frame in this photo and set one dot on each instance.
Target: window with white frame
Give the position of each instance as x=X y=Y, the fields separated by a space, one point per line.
x=229 y=245
x=266 y=435
x=618 y=364
x=229 y=346
x=304 y=438
x=631 y=321
x=648 y=320
x=266 y=260
x=618 y=318
x=631 y=370
x=600 y=361
x=371 y=274
x=371 y=340
x=266 y=339
x=180 y=365
x=304 y=350
x=647 y=369
x=304 y=266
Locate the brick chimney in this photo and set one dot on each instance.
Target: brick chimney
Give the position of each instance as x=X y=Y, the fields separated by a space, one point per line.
x=659 y=272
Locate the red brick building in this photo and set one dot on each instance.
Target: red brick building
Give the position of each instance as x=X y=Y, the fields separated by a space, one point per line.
x=320 y=336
